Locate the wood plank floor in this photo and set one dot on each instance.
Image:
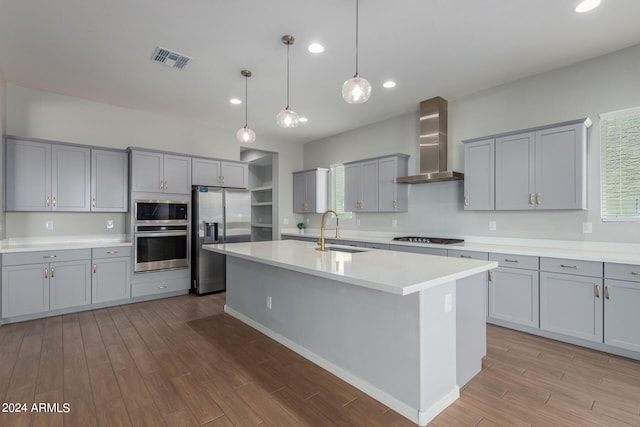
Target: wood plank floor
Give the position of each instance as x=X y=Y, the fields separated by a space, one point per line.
x=182 y=361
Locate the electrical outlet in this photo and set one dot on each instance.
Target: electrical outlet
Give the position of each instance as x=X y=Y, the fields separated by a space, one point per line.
x=285 y=221
x=358 y=222
x=394 y=222
x=587 y=227
x=269 y=302
x=307 y=221
x=109 y=224
x=492 y=226
x=448 y=303
x=48 y=225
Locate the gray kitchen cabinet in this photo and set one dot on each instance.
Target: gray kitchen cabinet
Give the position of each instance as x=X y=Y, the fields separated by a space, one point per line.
x=310 y=191
x=542 y=169
x=111 y=274
x=109 y=181
x=419 y=250
x=219 y=173
x=382 y=246
x=35 y=282
x=479 y=175
x=160 y=173
x=571 y=298
x=361 y=186
x=621 y=302
x=42 y=176
x=514 y=289
x=392 y=197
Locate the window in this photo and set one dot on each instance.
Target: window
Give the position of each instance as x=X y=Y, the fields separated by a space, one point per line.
x=337 y=190
x=620 y=165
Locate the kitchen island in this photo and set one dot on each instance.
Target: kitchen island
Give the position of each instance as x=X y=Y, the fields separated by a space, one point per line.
x=383 y=321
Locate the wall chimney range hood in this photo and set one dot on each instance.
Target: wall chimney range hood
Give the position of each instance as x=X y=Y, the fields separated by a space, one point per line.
x=433 y=145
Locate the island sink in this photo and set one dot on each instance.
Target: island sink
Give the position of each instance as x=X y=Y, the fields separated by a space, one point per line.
x=339 y=249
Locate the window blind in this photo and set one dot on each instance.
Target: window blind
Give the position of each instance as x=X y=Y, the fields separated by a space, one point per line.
x=620 y=165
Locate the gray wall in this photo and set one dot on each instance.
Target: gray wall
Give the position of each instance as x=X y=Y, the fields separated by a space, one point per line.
x=3 y=122
x=586 y=89
x=39 y=114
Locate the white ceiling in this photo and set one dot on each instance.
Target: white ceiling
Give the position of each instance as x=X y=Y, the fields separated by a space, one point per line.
x=101 y=50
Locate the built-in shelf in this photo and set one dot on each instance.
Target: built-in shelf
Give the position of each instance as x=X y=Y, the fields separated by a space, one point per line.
x=262 y=204
x=258 y=189
x=262 y=225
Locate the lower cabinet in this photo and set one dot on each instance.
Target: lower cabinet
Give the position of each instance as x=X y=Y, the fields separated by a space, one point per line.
x=621 y=306
x=160 y=282
x=513 y=289
x=32 y=282
x=111 y=274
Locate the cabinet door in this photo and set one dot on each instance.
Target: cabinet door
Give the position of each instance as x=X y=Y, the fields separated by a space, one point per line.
x=621 y=314
x=369 y=186
x=70 y=178
x=299 y=193
x=571 y=305
x=479 y=173
x=28 y=175
x=513 y=296
x=177 y=174
x=205 y=172
x=235 y=175
x=310 y=184
x=147 y=173
x=111 y=279
x=560 y=168
x=109 y=181
x=389 y=193
x=25 y=289
x=70 y=283
x=515 y=174
x=352 y=195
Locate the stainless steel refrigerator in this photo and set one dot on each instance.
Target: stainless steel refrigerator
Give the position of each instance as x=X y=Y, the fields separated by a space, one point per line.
x=219 y=215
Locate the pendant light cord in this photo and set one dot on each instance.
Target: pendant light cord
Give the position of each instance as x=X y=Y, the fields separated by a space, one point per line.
x=246 y=99
x=357 y=13
x=288 y=45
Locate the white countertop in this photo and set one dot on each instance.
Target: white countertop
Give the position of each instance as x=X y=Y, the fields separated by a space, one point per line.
x=62 y=243
x=622 y=253
x=397 y=273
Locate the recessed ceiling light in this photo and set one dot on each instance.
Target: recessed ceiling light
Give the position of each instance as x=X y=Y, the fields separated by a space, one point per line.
x=303 y=119
x=587 y=5
x=315 y=48
x=389 y=84
x=235 y=101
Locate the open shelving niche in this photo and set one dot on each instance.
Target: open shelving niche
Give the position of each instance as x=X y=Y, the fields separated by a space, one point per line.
x=263 y=173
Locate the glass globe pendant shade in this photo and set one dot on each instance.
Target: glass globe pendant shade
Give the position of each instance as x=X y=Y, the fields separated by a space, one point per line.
x=246 y=135
x=287 y=118
x=356 y=90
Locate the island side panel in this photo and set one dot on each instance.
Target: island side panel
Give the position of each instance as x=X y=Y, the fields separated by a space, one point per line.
x=372 y=335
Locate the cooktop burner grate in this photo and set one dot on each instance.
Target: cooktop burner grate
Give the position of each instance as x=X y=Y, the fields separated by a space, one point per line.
x=434 y=240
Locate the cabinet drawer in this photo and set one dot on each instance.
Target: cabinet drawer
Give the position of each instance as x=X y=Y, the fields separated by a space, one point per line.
x=457 y=253
x=571 y=266
x=384 y=246
x=622 y=271
x=159 y=287
x=20 y=258
x=516 y=261
x=111 y=252
x=419 y=250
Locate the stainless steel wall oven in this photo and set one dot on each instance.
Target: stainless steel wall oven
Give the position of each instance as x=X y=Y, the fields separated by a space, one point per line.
x=161 y=235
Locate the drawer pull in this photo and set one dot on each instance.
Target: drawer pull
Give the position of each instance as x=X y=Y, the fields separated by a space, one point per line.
x=538 y=198
x=49 y=256
x=46 y=273
x=111 y=252
x=575 y=267
x=531 y=198
x=511 y=260
x=598 y=291
x=53 y=270
x=465 y=256
x=95 y=268
x=491 y=275
x=54 y=202
x=93 y=202
x=635 y=273
x=162 y=287
x=607 y=292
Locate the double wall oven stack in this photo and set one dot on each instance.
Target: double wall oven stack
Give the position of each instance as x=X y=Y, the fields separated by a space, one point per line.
x=161 y=235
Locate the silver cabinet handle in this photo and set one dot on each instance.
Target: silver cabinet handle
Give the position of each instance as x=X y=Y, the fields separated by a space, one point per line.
x=161 y=184
x=538 y=198
x=575 y=267
x=166 y=185
x=491 y=275
x=48 y=201
x=111 y=252
x=46 y=273
x=53 y=270
x=49 y=256
x=93 y=202
x=54 y=202
x=598 y=291
x=531 y=199
x=466 y=200
x=395 y=204
x=465 y=256
x=511 y=260
x=95 y=268
x=635 y=273
x=162 y=287
x=607 y=292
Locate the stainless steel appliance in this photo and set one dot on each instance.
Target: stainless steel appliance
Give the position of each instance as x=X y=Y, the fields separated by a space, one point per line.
x=434 y=240
x=161 y=235
x=219 y=215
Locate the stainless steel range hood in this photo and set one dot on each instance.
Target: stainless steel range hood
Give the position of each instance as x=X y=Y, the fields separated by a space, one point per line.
x=433 y=145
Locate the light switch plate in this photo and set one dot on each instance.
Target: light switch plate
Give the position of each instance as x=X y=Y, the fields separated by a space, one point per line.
x=492 y=226
x=285 y=221
x=109 y=224
x=587 y=227
x=48 y=225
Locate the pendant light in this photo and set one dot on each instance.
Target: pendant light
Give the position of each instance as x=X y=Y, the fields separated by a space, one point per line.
x=245 y=134
x=287 y=118
x=356 y=90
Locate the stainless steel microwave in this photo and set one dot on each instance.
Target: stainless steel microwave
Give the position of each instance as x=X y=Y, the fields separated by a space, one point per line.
x=161 y=211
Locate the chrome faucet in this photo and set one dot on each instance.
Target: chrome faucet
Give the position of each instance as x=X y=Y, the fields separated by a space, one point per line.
x=323 y=228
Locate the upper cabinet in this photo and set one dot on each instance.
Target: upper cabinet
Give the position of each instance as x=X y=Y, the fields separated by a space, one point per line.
x=42 y=176
x=156 y=172
x=542 y=168
x=370 y=185
x=109 y=181
x=219 y=173
x=310 y=191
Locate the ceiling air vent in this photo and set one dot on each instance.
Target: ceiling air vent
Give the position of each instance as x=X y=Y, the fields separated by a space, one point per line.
x=170 y=58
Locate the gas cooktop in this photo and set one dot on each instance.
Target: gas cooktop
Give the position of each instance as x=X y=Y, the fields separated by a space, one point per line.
x=434 y=240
